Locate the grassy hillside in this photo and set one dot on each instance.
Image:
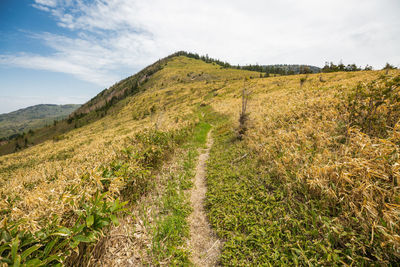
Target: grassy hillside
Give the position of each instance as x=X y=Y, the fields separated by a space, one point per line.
x=25 y=119
x=99 y=106
x=108 y=101
x=314 y=179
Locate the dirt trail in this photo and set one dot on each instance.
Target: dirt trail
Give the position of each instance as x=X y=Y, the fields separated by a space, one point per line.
x=204 y=244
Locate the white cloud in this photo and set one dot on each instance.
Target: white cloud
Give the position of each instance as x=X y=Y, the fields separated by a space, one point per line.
x=58 y=64
x=41 y=7
x=126 y=35
x=48 y=3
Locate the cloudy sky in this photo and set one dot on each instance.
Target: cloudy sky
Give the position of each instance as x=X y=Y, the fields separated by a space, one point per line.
x=66 y=51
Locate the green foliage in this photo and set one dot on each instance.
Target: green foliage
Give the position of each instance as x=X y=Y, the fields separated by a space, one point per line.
x=53 y=244
x=267 y=220
x=375 y=107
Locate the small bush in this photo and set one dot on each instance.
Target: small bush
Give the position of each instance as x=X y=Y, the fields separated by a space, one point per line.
x=302 y=81
x=58 y=138
x=375 y=107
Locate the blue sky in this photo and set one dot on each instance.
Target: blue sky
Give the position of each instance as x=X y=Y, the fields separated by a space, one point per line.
x=66 y=51
x=21 y=86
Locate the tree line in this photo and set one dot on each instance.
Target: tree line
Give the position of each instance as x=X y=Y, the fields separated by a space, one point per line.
x=283 y=69
x=331 y=67
x=267 y=69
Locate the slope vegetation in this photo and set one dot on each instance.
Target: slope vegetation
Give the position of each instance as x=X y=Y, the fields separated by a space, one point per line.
x=48 y=185
x=313 y=180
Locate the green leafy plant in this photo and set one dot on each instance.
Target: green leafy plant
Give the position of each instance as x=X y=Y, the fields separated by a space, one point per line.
x=52 y=245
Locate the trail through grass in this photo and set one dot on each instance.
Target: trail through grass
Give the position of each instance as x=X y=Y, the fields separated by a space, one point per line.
x=172 y=227
x=203 y=242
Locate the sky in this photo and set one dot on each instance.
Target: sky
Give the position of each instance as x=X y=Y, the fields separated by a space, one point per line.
x=67 y=51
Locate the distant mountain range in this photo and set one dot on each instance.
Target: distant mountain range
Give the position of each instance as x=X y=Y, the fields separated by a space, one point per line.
x=23 y=120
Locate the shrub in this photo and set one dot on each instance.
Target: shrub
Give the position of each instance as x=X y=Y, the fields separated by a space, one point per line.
x=375 y=107
x=302 y=81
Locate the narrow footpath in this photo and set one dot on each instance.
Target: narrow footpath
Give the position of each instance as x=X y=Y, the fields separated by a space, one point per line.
x=204 y=244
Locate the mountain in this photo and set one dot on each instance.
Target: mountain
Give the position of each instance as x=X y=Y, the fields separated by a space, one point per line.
x=190 y=161
x=25 y=119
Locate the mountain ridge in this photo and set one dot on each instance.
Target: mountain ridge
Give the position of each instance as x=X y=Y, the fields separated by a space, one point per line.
x=32 y=117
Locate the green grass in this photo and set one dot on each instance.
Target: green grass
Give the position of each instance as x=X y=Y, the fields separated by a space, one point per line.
x=250 y=208
x=200 y=134
x=172 y=229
